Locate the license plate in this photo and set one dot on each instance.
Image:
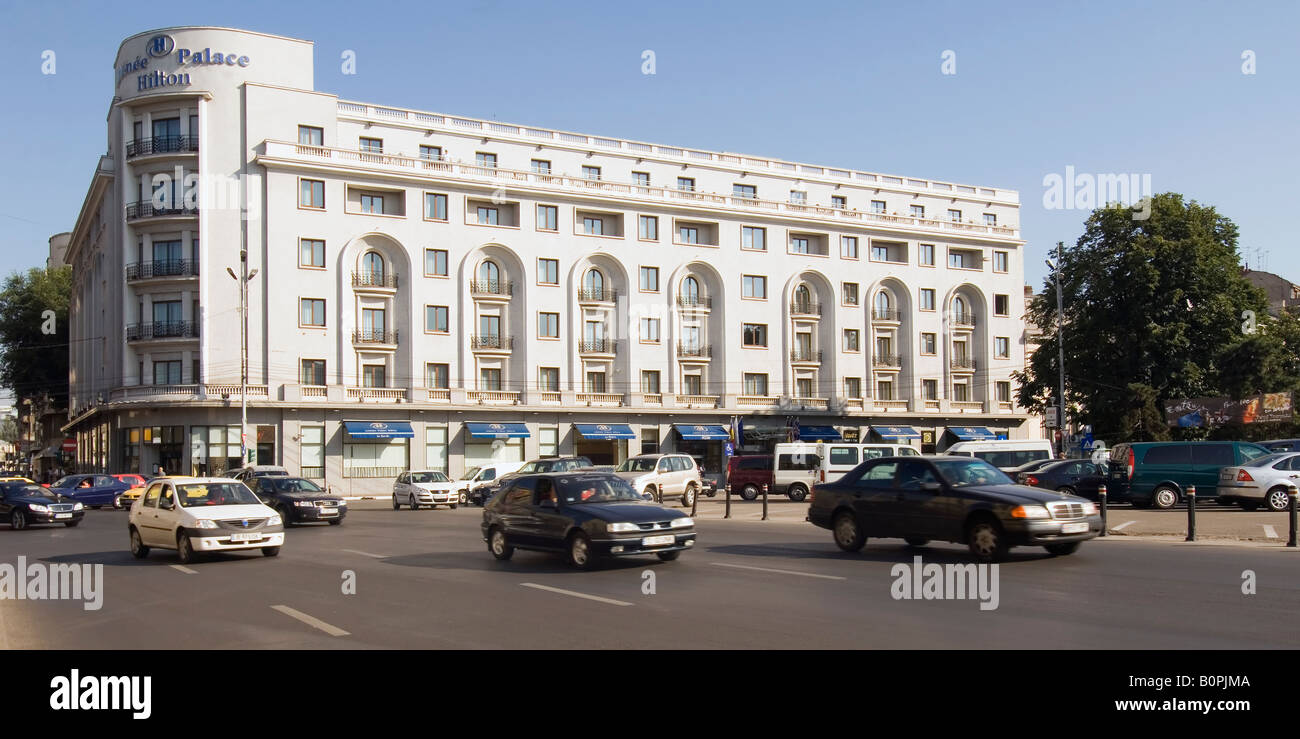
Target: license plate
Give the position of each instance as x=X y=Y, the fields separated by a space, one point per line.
x=328 y=512
x=245 y=537
x=63 y=515
x=1073 y=528
x=657 y=541
x=1225 y=475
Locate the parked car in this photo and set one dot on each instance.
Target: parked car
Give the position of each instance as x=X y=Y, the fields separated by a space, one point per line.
x=299 y=500
x=92 y=491
x=747 y=474
x=1005 y=454
x=25 y=503
x=946 y=498
x=710 y=479
x=486 y=490
x=1261 y=481
x=425 y=487
x=258 y=470
x=125 y=498
x=1030 y=467
x=586 y=515
x=1281 y=445
x=132 y=479
x=202 y=514
x=834 y=459
x=663 y=476
x=471 y=484
x=1068 y=477
x=1157 y=473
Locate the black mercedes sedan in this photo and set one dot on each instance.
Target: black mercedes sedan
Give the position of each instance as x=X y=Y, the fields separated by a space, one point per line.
x=299 y=500
x=586 y=515
x=24 y=504
x=1068 y=477
x=948 y=498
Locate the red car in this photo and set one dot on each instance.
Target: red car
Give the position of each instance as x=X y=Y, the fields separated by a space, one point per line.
x=135 y=481
x=748 y=474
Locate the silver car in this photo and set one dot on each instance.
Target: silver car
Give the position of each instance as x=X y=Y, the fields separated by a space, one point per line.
x=663 y=476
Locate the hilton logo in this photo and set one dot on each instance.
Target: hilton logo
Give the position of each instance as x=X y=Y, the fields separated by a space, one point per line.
x=161 y=46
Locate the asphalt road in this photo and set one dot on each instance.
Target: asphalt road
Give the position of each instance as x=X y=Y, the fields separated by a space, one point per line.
x=425 y=580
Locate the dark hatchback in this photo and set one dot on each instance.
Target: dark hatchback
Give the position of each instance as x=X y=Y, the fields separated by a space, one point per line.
x=484 y=492
x=24 y=504
x=1068 y=477
x=299 y=500
x=946 y=498
x=586 y=515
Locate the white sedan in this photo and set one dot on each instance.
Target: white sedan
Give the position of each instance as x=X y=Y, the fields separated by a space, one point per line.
x=424 y=487
x=202 y=514
x=1261 y=481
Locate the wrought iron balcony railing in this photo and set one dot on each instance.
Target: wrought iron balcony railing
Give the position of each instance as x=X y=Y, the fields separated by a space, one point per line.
x=805 y=308
x=162 y=330
x=596 y=346
x=962 y=363
x=148 y=209
x=695 y=301
x=806 y=355
x=492 y=287
x=374 y=279
x=884 y=315
x=164 y=268
x=373 y=336
x=161 y=145
x=686 y=349
x=597 y=294
x=491 y=341
x=887 y=360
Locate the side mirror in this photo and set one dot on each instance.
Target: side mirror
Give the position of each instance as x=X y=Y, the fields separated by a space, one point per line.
x=931 y=487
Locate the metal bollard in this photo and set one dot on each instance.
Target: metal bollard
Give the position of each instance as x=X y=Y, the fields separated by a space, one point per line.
x=1293 y=493
x=1191 y=513
x=1101 y=498
x=694 y=501
x=728 y=500
x=764 y=501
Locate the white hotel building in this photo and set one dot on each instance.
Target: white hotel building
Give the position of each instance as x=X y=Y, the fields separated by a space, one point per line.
x=441 y=274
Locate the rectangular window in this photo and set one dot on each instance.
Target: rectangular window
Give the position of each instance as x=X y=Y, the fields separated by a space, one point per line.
x=961 y=392
x=372 y=204
x=372 y=146
x=548 y=271
x=548 y=218
x=650 y=441
x=641 y=178
x=436 y=319
x=313 y=372
x=312 y=312
x=839 y=202
x=435 y=448
x=755 y=383
x=754 y=286
x=1004 y=392
x=541 y=166
x=798 y=197
x=885 y=390
x=548 y=325
x=308 y=136
x=850 y=293
x=929 y=389
x=548 y=441
x=650 y=382
x=753 y=237
x=490 y=326
x=650 y=330
x=313 y=452
x=488 y=216
x=650 y=279
x=927 y=255
x=803 y=387
x=999 y=261
x=590 y=173
x=374 y=375
x=595 y=382
x=878 y=206
x=929 y=343
x=548 y=379
x=435 y=206
x=686 y=184
x=990 y=219
x=312 y=194
x=688 y=235
x=433 y=153
x=954 y=215
x=957 y=260
x=593 y=226
x=1001 y=305
x=927 y=298
x=879 y=253
x=1002 y=347
x=849 y=247
x=851 y=340
x=435 y=262
x=648 y=228
x=489 y=378
x=437 y=375
x=744 y=191
x=754 y=334
x=312 y=253
x=167 y=373
x=853 y=387
x=484 y=159
x=918 y=211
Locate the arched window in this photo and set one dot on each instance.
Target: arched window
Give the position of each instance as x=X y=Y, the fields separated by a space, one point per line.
x=372 y=266
x=489 y=274
x=882 y=304
x=594 y=283
x=959 y=307
x=691 y=290
x=803 y=297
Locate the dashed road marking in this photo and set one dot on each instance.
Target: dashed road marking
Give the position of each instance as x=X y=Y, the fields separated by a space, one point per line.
x=186 y=570
x=1270 y=532
x=575 y=594
x=783 y=572
x=1122 y=526
x=310 y=620
x=367 y=554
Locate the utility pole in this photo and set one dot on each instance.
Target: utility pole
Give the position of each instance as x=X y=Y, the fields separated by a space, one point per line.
x=243 y=277
x=1060 y=340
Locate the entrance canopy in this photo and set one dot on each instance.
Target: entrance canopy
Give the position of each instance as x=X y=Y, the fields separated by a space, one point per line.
x=498 y=430
x=896 y=433
x=379 y=429
x=972 y=433
x=604 y=431
x=819 y=433
x=702 y=432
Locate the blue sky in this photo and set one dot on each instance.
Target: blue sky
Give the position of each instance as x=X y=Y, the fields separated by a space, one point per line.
x=1107 y=87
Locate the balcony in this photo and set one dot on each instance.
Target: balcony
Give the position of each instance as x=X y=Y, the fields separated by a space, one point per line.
x=967 y=406
x=375 y=338
x=162 y=145
x=812 y=404
x=962 y=364
x=700 y=303
x=381 y=394
x=697 y=401
x=688 y=352
x=890 y=406
x=597 y=346
x=493 y=397
x=596 y=295
x=805 y=308
x=492 y=289
x=963 y=319
x=491 y=343
x=886 y=316
x=806 y=356
x=167 y=268
x=162 y=330
x=601 y=399
x=887 y=360
x=146 y=209
x=380 y=281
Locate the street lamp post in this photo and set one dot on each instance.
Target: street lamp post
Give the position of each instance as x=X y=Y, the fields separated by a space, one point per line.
x=1060 y=341
x=242 y=278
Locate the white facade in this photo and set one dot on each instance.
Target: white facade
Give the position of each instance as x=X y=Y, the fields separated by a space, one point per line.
x=543 y=343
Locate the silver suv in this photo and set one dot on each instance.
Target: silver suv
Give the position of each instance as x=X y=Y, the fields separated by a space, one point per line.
x=663 y=476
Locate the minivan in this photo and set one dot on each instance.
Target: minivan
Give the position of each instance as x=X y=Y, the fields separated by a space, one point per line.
x=1156 y=473
x=1005 y=454
x=477 y=479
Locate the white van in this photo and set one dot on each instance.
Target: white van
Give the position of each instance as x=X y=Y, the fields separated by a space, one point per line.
x=482 y=476
x=828 y=461
x=1005 y=454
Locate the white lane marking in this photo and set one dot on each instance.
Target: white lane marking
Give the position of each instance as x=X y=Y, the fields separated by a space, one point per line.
x=186 y=570
x=561 y=591
x=783 y=572
x=1122 y=526
x=1270 y=532
x=367 y=554
x=310 y=620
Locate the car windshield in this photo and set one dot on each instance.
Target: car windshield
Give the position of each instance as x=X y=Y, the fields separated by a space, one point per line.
x=296 y=485
x=23 y=491
x=595 y=489
x=564 y=465
x=197 y=495
x=470 y=473
x=1267 y=460
x=428 y=477
x=638 y=464
x=963 y=472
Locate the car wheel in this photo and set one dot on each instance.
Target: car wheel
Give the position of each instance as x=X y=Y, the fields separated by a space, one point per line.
x=1061 y=550
x=184 y=551
x=452 y=506
x=797 y=492
x=749 y=492
x=1249 y=506
x=117 y=503
x=688 y=497
x=464 y=499
x=986 y=541
x=1278 y=500
x=497 y=544
x=396 y=505
x=335 y=521
x=17 y=520
x=71 y=524
x=286 y=515
x=1066 y=490
x=670 y=556
x=1164 y=498
x=848 y=533
x=654 y=496
x=138 y=549
x=414 y=505
x=580 y=554
x=270 y=551
x=915 y=541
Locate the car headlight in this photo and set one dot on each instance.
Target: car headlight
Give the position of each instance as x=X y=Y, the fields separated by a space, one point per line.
x=621 y=528
x=38 y=508
x=683 y=522
x=304 y=503
x=77 y=506
x=273 y=520
x=205 y=523
x=1089 y=509
x=1030 y=511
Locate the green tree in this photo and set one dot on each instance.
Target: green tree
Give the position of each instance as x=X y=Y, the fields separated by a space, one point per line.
x=34 y=359
x=1151 y=306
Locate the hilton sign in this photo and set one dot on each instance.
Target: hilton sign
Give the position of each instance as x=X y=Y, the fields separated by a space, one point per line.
x=162 y=46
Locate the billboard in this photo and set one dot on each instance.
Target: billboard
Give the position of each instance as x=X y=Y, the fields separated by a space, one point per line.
x=1199 y=412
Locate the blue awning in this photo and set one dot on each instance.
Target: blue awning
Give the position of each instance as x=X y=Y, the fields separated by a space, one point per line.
x=497 y=430
x=972 y=433
x=604 y=431
x=896 y=433
x=702 y=432
x=379 y=429
x=819 y=433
